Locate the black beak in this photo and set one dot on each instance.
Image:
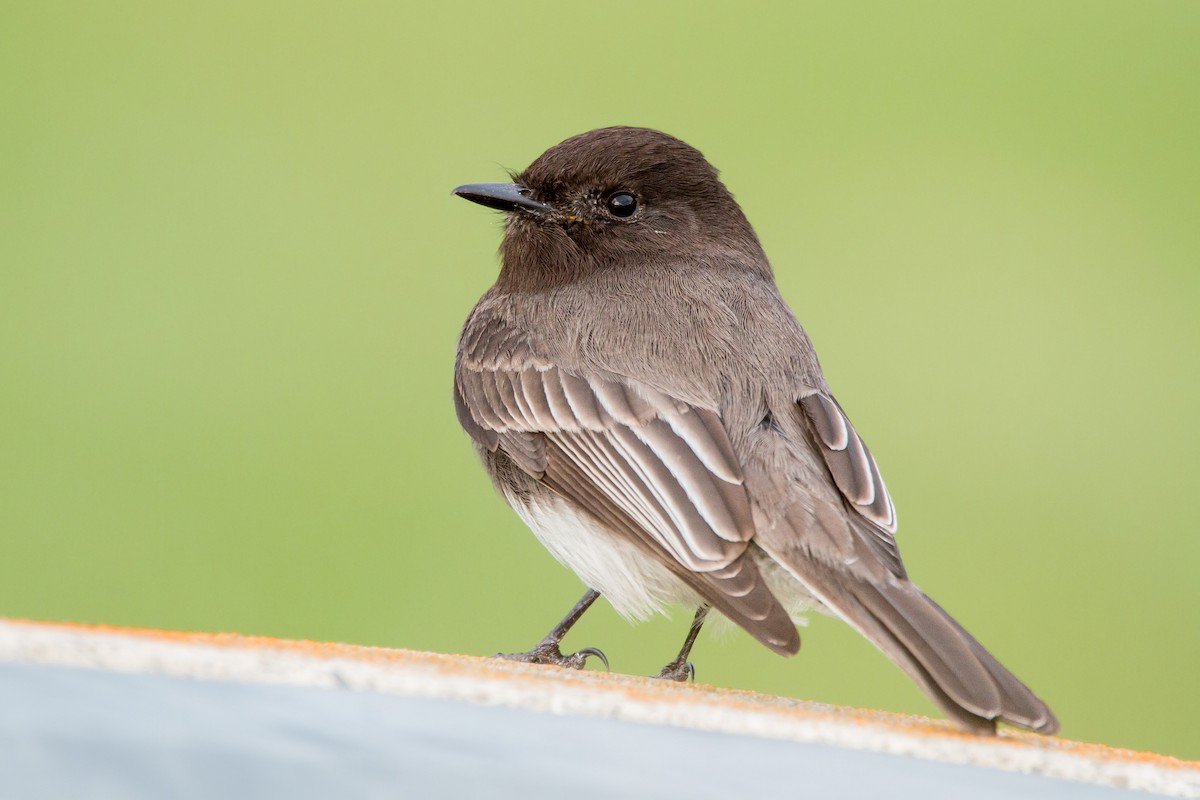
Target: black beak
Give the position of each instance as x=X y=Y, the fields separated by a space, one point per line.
x=504 y=196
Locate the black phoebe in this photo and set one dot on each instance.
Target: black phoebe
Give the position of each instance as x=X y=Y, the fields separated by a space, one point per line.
x=646 y=401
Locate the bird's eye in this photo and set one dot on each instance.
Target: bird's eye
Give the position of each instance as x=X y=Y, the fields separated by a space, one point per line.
x=621 y=204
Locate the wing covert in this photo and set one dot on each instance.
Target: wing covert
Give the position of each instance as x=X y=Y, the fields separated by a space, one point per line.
x=854 y=471
x=658 y=470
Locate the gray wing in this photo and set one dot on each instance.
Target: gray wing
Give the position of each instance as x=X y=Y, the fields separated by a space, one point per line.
x=659 y=471
x=856 y=474
x=925 y=641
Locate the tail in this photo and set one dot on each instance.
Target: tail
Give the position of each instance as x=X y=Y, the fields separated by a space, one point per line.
x=956 y=671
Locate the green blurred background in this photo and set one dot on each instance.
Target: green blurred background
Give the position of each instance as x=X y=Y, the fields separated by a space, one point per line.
x=232 y=275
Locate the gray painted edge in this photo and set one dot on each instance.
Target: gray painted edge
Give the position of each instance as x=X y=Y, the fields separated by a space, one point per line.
x=535 y=689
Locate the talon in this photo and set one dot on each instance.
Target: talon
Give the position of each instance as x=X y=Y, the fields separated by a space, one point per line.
x=592 y=651
x=548 y=653
x=680 y=673
x=681 y=669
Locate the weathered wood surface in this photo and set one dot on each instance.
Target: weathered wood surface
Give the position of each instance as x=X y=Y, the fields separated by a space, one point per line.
x=800 y=744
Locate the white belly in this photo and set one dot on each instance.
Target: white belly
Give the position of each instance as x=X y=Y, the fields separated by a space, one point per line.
x=635 y=585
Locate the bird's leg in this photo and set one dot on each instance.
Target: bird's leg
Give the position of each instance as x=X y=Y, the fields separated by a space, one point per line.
x=546 y=651
x=681 y=669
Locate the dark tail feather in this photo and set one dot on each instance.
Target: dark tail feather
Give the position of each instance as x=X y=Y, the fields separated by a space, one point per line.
x=955 y=670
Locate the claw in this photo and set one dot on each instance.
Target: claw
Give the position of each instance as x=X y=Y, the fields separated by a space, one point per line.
x=681 y=669
x=681 y=673
x=592 y=651
x=547 y=652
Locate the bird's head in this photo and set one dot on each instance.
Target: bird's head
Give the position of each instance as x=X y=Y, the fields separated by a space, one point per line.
x=616 y=198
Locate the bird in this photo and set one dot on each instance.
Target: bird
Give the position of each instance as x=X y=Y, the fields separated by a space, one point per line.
x=645 y=400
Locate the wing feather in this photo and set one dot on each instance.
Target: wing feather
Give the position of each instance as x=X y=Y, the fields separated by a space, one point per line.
x=658 y=470
x=582 y=401
x=736 y=590
x=560 y=405
x=533 y=389
x=701 y=547
x=723 y=505
x=850 y=462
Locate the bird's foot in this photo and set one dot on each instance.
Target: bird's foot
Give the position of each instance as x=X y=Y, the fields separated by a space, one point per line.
x=547 y=652
x=679 y=671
